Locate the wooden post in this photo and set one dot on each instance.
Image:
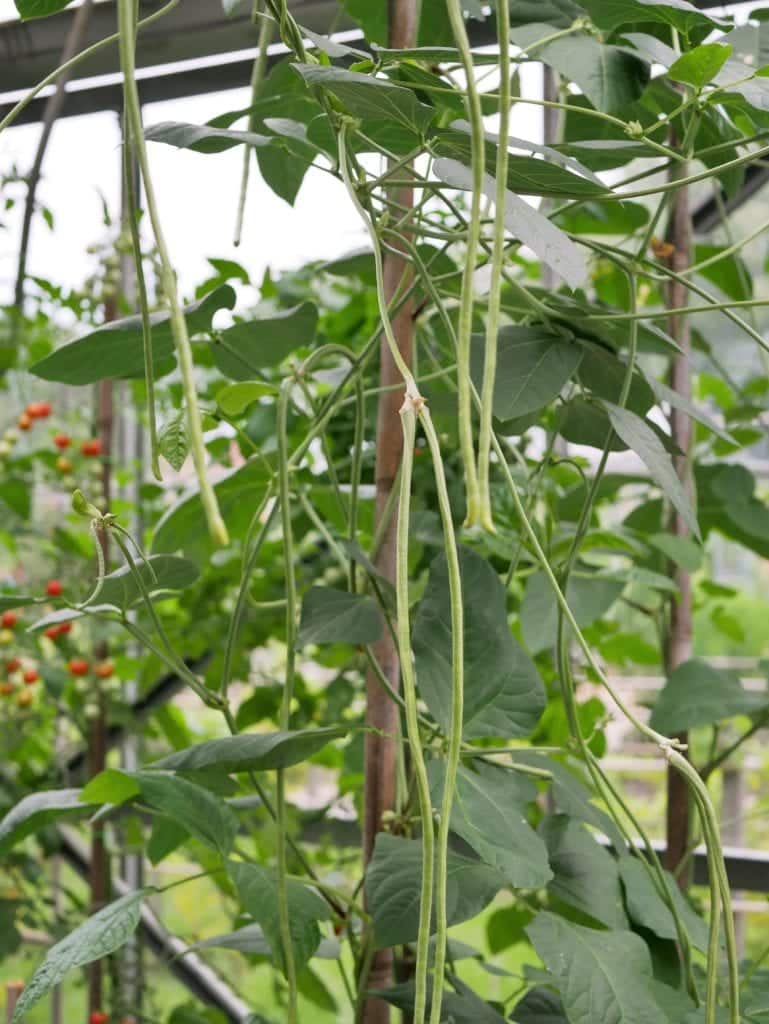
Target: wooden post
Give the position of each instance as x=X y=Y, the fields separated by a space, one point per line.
x=382 y=712
x=679 y=646
x=13 y=991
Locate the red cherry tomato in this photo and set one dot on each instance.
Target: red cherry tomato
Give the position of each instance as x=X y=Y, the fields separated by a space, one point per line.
x=9 y=620
x=31 y=676
x=97 y=1017
x=62 y=441
x=52 y=632
x=53 y=588
x=13 y=665
x=6 y=689
x=24 y=422
x=92 y=447
x=65 y=627
x=104 y=670
x=78 y=667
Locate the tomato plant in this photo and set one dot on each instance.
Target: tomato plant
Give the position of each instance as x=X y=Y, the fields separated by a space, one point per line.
x=443 y=489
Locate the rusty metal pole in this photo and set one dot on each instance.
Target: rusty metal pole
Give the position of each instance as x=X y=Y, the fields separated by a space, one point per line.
x=679 y=645
x=381 y=711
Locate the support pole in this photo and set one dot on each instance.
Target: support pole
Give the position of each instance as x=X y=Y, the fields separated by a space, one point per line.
x=381 y=712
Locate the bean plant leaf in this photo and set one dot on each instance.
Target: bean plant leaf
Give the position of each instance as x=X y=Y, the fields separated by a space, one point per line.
x=460 y=1007
x=589 y=597
x=610 y=77
x=242 y=351
x=639 y=436
x=600 y=975
x=182 y=527
x=533 y=365
x=672 y=397
x=173 y=443
x=110 y=787
x=104 y=933
x=195 y=808
x=647 y=908
x=250 y=939
x=36 y=811
x=9 y=602
x=393 y=885
x=700 y=65
x=685 y=552
x=116 y=350
x=202 y=138
x=257 y=891
x=503 y=691
x=251 y=751
x=369 y=98
x=546 y=240
x=540 y=1006
x=586 y=876
x=487 y=815
x=682 y=15
x=160 y=574
x=40 y=8
x=332 y=616
x=696 y=694
x=236 y=398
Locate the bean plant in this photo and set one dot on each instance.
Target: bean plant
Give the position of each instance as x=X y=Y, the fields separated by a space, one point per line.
x=569 y=431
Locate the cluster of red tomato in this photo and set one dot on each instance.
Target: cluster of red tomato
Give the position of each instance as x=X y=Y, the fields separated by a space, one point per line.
x=21 y=673
x=91 y=448
x=99 y=1017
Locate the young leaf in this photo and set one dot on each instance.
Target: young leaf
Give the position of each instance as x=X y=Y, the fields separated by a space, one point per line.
x=251 y=939
x=639 y=436
x=503 y=691
x=393 y=881
x=204 y=815
x=173 y=443
x=338 y=617
x=490 y=818
x=9 y=602
x=601 y=976
x=242 y=351
x=40 y=8
x=251 y=751
x=104 y=933
x=257 y=892
x=38 y=810
x=685 y=552
x=236 y=398
x=700 y=65
x=110 y=787
x=696 y=694
x=117 y=350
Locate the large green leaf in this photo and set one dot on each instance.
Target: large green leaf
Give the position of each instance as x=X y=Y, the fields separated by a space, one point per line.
x=242 y=351
x=332 y=616
x=503 y=691
x=204 y=815
x=257 y=891
x=393 y=884
x=589 y=598
x=488 y=814
x=160 y=574
x=638 y=435
x=558 y=13
x=610 y=77
x=539 y=1006
x=604 y=374
x=533 y=364
x=601 y=976
x=585 y=422
x=38 y=810
x=10 y=601
x=182 y=527
x=729 y=274
x=251 y=751
x=460 y=1007
x=647 y=908
x=202 y=138
x=117 y=349
x=525 y=174
x=369 y=98
x=597 y=217
x=546 y=240
x=104 y=933
x=610 y=14
x=696 y=694
x=586 y=875
x=726 y=502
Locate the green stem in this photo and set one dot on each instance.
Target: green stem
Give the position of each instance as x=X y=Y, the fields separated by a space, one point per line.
x=457 y=715
x=257 y=76
x=465 y=326
x=127 y=26
x=497 y=262
x=285 y=707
